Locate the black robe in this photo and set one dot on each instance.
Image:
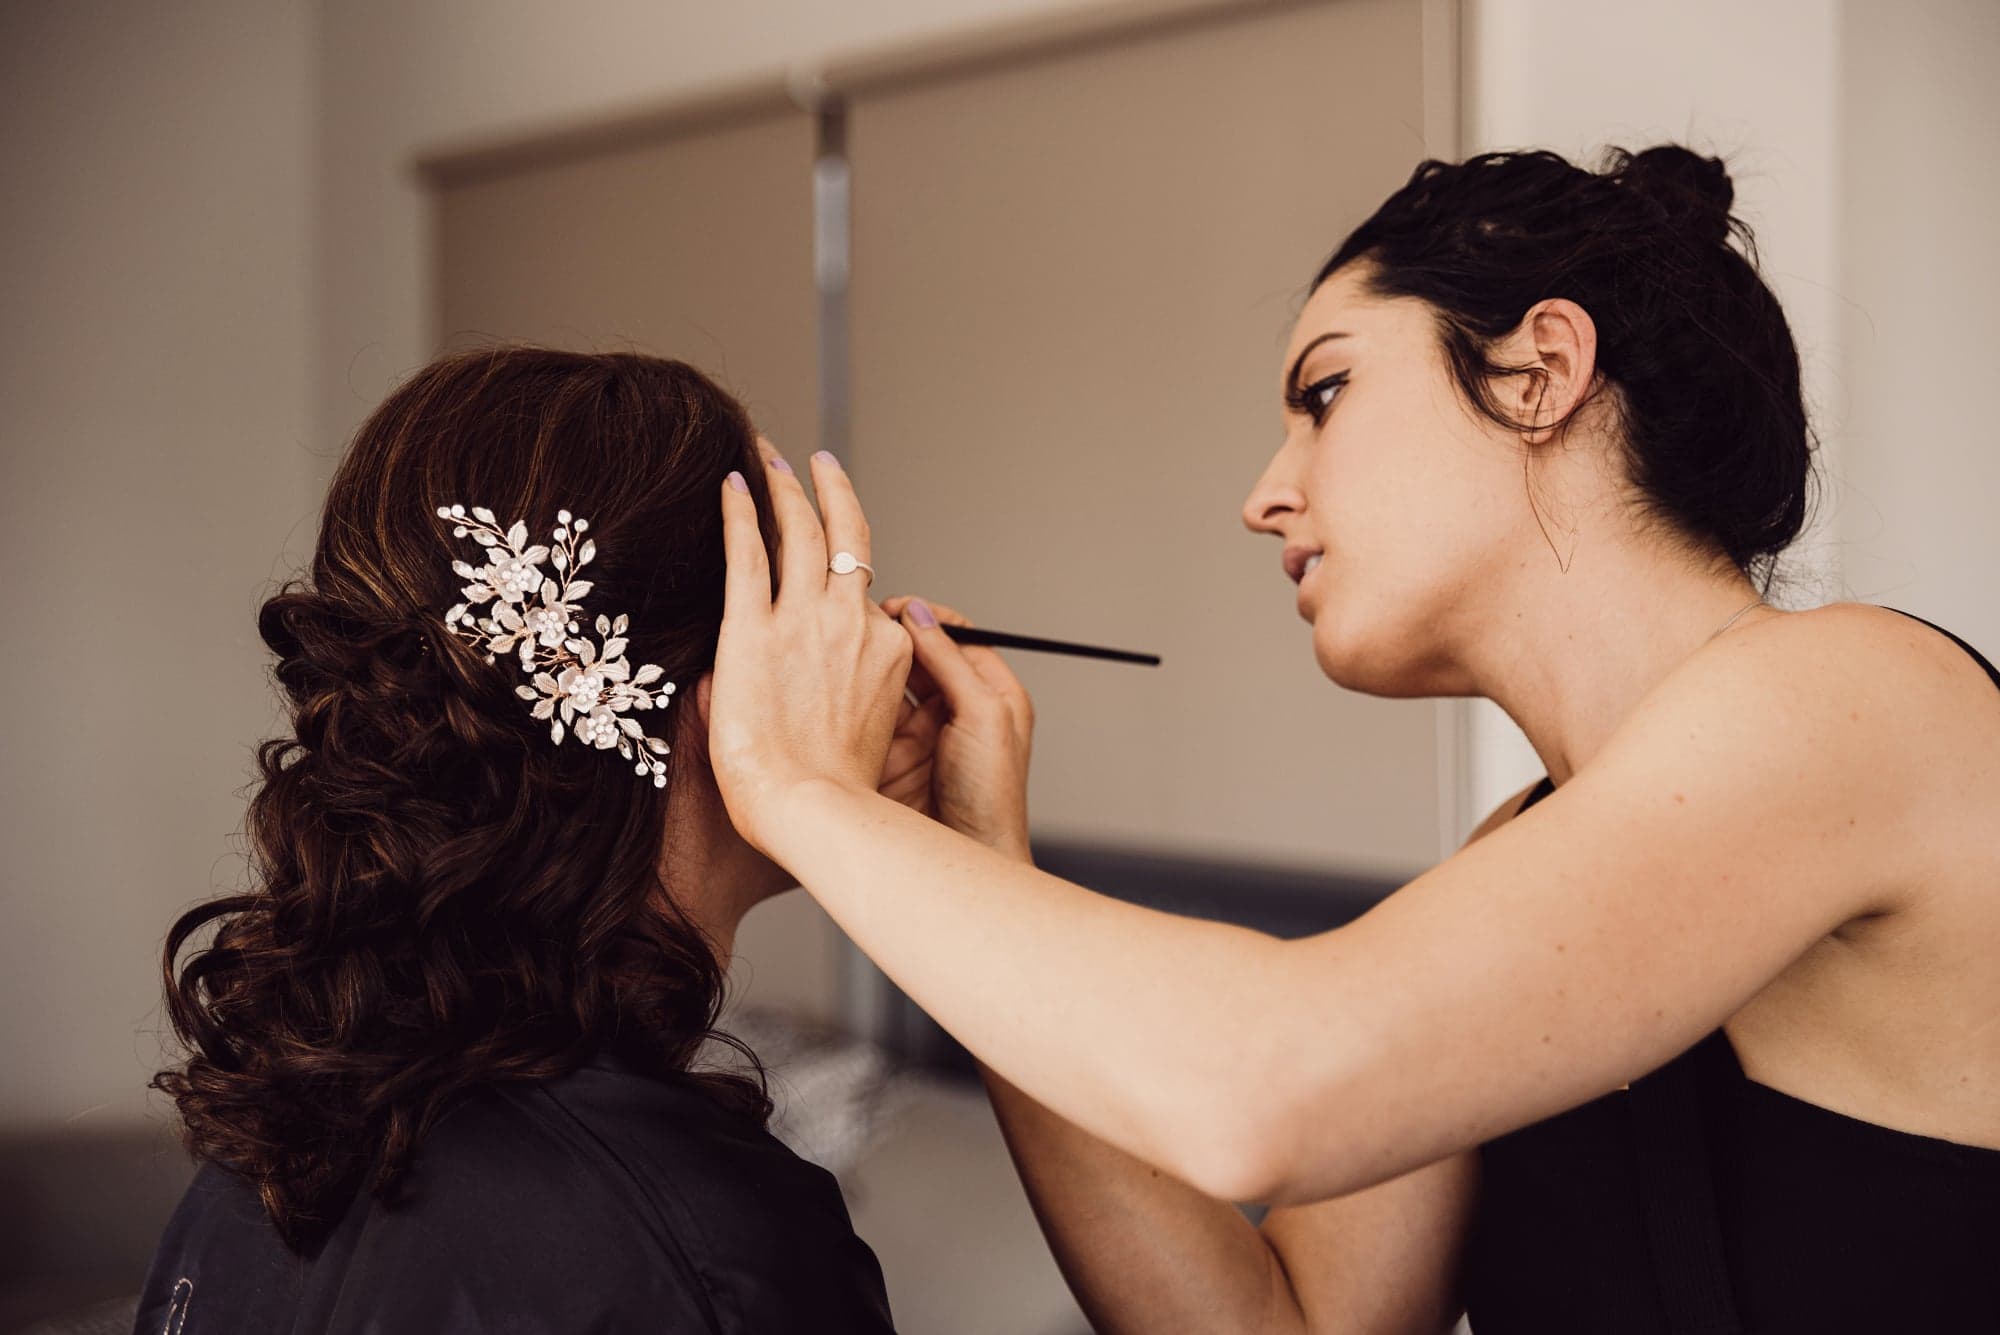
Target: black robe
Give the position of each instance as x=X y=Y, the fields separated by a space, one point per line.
x=602 y=1201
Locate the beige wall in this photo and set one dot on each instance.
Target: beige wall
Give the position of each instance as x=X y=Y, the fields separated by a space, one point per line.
x=1073 y=279
x=154 y=404
x=1918 y=279
x=399 y=78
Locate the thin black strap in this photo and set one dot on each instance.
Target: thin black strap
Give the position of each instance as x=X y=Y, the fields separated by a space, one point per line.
x=1541 y=790
x=1991 y=671
x=1677 y=1197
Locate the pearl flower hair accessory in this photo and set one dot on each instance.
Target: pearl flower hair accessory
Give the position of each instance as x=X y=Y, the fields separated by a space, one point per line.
x=591 y=687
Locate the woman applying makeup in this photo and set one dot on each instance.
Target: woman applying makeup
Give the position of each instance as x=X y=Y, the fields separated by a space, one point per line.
x=1701 y=1031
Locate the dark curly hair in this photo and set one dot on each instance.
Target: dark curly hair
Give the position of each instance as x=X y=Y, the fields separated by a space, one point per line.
x=444 y=897
x=1689 y=336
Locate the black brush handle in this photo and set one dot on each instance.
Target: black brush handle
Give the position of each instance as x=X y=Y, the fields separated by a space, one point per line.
x=1000 y=639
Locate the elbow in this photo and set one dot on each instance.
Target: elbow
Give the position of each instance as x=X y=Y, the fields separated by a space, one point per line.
x=1237 y=1172
x=1277 y=1140
x=1236 y=1151
x=1259 y=1118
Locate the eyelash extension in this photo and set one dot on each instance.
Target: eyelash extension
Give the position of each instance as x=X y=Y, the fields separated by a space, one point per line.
x=1306 y=400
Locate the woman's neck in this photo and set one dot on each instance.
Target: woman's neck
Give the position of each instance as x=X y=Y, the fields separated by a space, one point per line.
x=1576 y=655
x=712 y=875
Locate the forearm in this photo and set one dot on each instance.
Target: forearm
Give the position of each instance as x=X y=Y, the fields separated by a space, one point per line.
x=1153 y=1055
x=1142 y=1250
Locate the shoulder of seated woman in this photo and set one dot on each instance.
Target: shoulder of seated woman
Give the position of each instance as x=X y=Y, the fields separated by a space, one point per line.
x=517 y=1162
x=636 y=1129
x=677 y=1139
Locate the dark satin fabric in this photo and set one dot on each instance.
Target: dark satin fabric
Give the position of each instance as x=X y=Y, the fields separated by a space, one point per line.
x=1828 y=1224
x=603 y=1201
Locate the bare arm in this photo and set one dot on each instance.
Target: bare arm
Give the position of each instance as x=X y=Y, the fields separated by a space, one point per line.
x=1145 y=1252
x=1141 y=1250
x=1585 y=943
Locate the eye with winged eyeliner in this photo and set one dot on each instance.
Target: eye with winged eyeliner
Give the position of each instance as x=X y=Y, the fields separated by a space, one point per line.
x=1308 y=399
x=1314 y=400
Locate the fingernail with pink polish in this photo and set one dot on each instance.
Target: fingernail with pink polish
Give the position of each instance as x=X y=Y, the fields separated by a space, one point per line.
x=826 y=457
x=778 y=462
x=920 y=612
x=736 y=481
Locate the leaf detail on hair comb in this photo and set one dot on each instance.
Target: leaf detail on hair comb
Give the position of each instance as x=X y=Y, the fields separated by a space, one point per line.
x=538 y=618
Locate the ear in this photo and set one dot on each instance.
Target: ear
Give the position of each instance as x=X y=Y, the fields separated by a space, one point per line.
x=691 y=728
x=1561 y=339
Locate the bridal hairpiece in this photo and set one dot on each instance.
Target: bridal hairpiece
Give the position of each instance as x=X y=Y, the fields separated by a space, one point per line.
x=590 y=686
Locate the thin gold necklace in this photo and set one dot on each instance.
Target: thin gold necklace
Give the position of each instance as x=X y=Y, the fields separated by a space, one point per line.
x=1739 y=612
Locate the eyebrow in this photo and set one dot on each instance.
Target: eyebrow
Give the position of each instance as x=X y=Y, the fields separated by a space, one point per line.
x=1292 y=376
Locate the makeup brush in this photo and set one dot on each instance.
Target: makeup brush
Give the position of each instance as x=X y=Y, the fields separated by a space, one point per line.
x=1000 y=639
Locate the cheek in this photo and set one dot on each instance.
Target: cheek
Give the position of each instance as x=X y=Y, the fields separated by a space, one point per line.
x=1361 y=499
x=1397 y=517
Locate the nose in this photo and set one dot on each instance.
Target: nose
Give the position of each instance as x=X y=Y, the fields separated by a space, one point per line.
x=1273 y=498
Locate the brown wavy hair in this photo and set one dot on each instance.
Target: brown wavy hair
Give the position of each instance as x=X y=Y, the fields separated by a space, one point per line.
x=443 y=897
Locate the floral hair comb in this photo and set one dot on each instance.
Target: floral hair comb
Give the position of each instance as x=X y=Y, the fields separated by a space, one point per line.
x=590 y=686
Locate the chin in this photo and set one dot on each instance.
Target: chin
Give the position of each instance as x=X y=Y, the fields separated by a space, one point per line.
x=1338 y=668
x=1367 y=664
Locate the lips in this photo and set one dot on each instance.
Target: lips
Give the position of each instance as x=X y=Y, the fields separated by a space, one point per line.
x=1299 y=560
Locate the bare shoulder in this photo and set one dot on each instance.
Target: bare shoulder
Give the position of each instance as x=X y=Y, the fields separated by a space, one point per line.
x=1908 y=713
x=1889 y=1019
x=1937 y=670
x=1918 y=702
x=1936 y=739
x=1893 y=731
x=1802 y=732
x=1892 y=703
x=1851 y=643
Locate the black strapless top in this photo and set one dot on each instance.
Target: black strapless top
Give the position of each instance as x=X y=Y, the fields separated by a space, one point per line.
x=1702 y=1201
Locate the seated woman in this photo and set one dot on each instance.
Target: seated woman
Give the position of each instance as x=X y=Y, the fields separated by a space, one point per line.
x=442 y=1068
